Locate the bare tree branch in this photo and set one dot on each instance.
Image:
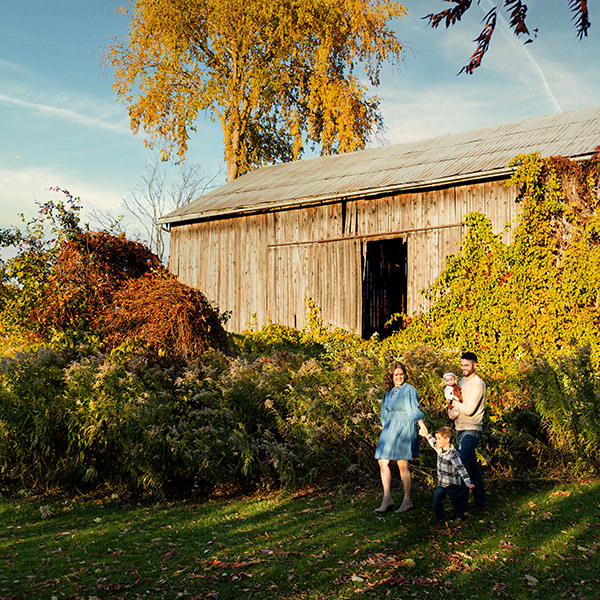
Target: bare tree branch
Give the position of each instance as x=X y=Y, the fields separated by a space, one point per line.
x=157 y=195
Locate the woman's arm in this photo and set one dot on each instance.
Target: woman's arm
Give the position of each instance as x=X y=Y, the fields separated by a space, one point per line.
x=413 y=404
x=383 y=413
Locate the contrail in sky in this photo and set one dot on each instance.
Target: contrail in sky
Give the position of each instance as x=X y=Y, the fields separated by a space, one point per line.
x=507 y=33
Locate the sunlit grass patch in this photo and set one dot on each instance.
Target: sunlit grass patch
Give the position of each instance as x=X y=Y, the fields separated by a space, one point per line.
x=532 y=543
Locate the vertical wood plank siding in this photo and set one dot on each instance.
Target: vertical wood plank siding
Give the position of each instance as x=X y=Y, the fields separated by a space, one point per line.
x=257 y=267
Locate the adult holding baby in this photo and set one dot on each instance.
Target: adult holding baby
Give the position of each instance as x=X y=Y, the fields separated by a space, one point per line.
x=468 y=423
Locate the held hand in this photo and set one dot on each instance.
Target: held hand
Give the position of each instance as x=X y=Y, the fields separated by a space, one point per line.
x=470 y=485
x=422 y=429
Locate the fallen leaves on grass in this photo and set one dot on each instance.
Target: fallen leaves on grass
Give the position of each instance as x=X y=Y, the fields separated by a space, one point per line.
x=531 y=580
x=46 y=511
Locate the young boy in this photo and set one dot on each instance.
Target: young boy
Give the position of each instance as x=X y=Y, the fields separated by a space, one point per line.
x=450 y=471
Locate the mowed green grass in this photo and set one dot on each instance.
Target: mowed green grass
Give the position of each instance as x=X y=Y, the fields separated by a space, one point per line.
x=539 y=543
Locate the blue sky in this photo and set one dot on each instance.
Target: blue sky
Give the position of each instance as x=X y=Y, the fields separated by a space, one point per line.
x=60 y=123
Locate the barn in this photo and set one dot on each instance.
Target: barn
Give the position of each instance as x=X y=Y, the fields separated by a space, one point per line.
x=359 y=233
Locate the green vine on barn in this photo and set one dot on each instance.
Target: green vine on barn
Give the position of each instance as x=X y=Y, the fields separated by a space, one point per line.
x=539 y=294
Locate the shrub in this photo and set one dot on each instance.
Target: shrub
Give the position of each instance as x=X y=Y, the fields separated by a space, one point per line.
x=118 y=419
x=566 y=398
x=33 y=417
x=170 y=318
x=79 y=285
x=282 y=419
x=86 y=277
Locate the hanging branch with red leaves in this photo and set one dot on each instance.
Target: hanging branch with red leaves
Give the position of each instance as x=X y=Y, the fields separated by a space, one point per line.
x=517 y=11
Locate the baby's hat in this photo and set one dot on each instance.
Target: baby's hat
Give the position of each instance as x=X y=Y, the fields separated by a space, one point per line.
x=449 y=373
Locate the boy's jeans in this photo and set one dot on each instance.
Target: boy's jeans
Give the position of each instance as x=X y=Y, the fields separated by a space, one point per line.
x=459 y=495
x=467 y=441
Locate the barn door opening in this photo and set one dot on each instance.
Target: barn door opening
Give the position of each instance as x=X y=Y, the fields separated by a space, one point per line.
x=385 y=269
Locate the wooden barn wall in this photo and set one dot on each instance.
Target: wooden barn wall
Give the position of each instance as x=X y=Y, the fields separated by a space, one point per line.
x=264 y=266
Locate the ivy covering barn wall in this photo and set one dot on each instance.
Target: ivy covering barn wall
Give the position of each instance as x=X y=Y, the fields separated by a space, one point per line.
x=539 y=294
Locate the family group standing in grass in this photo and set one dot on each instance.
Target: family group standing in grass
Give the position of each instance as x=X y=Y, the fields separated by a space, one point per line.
x=402 y=422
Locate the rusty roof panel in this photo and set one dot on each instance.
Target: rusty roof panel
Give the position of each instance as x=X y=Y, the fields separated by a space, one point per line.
x=448 y=157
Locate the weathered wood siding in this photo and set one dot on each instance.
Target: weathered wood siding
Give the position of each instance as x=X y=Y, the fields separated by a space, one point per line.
x=264 y=266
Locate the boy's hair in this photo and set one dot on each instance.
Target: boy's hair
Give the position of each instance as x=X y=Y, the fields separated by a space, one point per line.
x=469 y=356
x=445 y=432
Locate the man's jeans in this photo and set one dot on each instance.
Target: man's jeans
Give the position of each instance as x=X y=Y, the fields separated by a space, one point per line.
x=468 y=441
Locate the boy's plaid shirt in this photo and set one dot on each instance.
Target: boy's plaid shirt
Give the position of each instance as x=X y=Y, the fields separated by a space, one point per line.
x=450 y=469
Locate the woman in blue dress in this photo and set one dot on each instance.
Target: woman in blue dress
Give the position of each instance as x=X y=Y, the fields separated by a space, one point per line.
x=401 y=419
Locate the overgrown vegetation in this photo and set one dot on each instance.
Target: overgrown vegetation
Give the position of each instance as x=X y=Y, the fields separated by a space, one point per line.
x=129 y=382
x=269 y=419
x=276 y=419
x=68 y=285
x=537 y=295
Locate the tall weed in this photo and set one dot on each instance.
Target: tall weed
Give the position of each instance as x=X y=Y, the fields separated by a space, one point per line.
x=566 y=396
x=282 y=418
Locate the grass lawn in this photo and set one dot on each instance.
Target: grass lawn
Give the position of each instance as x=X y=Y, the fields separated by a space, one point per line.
x=540 y=543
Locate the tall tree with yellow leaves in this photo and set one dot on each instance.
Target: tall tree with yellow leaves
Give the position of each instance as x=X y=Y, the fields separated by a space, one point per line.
x=278 y=75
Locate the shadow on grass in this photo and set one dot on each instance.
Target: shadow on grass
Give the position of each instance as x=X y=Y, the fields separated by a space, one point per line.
x=531 y=543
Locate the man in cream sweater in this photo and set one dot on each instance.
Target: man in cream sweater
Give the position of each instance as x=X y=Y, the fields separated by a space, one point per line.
x=469 y=423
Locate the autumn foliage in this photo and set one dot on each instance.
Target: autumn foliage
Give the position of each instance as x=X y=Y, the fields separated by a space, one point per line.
x=89 y=270
x=171 y=318
x=517 y=17
x=94 y=283
x=277 y=76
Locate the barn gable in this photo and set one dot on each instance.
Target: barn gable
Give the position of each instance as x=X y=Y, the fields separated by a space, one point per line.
x=360 y=233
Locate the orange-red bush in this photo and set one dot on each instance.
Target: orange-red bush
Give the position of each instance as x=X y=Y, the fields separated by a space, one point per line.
x=170 y=317
x=89 y=270
x=119 y=288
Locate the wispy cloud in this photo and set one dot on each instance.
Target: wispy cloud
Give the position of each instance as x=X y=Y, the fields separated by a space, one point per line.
x=11 y=66
x=417 y=115
x=515 y=82
x=21 y=188
x=66 y=114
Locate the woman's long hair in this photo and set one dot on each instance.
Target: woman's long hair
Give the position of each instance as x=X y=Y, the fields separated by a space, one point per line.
x=388 y=378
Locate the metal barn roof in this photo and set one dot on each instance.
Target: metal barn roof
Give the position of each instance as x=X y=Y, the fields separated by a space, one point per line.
x=464 y=156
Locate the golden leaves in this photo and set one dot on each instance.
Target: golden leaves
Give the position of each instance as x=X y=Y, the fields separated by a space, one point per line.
x=277 y=75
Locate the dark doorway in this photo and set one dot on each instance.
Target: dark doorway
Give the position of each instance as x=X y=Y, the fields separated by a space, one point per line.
x=385 y=268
